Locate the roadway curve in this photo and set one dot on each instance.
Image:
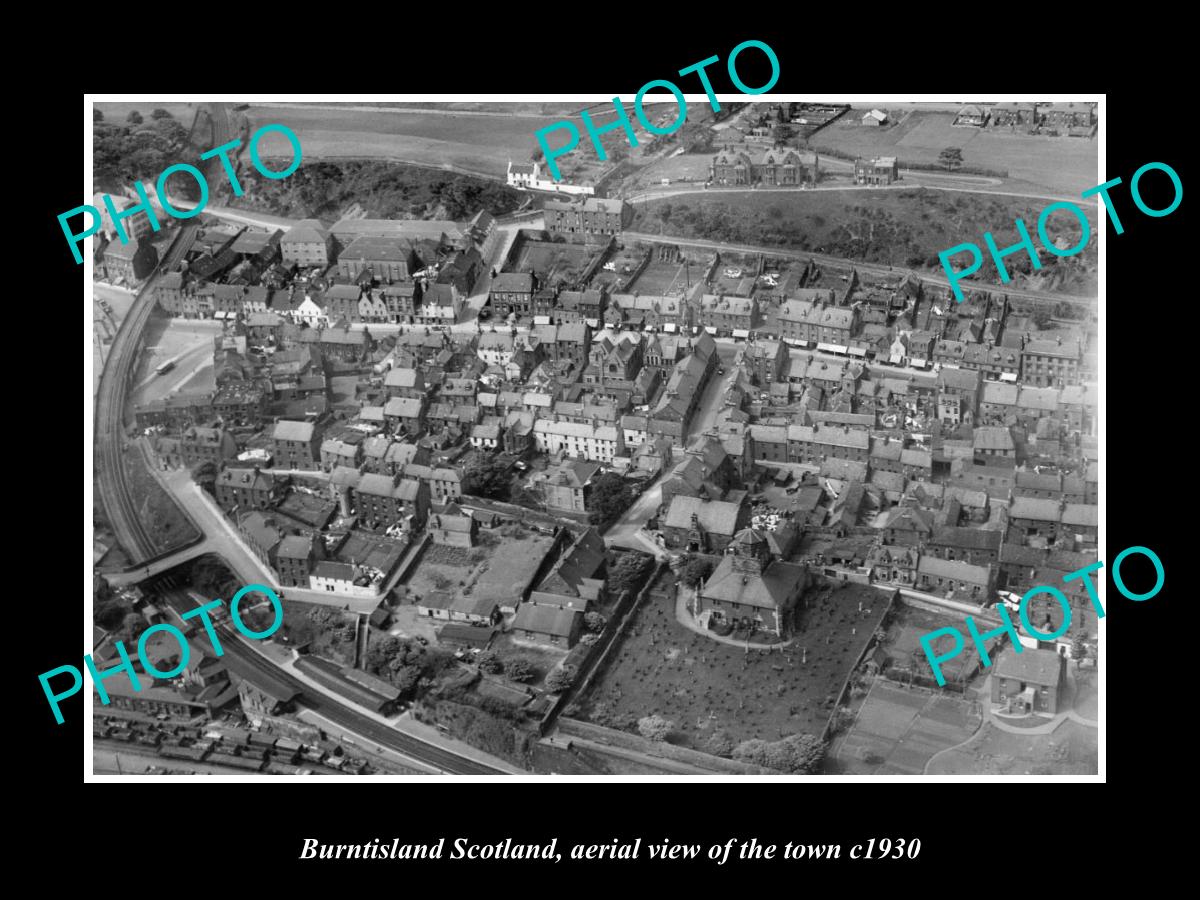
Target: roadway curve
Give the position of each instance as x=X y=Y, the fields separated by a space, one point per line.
x=113 y=489
x=876 y=268
x=244 y=659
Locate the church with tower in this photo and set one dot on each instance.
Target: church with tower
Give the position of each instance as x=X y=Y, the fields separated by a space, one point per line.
x=752 y=585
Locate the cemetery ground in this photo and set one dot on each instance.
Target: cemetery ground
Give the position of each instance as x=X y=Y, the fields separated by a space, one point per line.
x=704 y=686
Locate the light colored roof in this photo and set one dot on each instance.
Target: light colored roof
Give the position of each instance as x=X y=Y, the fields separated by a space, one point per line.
x=403 y=407
x=1086 y=514
x=715 y=516
x=372 y=247
x=286 y=430
x=954 y=569
x=552 y=620
x=1035 y=510
x=306 y=231
x=1031 y=666
x=992 y=437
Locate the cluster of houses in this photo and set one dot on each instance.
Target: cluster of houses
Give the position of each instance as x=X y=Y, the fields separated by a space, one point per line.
x=357 y=270
x=1075 y=119
x=917 y=442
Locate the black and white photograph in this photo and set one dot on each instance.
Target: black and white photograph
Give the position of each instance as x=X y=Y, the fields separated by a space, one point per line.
x=737 y=435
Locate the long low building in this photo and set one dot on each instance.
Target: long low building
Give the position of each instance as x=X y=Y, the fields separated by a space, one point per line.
x=601 y=443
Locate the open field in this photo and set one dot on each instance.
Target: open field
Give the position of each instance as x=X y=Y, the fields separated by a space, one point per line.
x=704 y=686
x=899 y=729
x=684 y=167
x=1062 y=165
x=668 y=277
x=554 y=262
x=165 y=523
x=469 y=142
x=119 y=112
x=1069 y=750
x=186 y=342
x=893 y=227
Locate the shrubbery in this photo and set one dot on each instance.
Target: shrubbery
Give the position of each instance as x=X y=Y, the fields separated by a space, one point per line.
x=798 y=754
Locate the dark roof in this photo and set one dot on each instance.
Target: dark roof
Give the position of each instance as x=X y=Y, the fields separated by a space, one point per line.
x=551 y=620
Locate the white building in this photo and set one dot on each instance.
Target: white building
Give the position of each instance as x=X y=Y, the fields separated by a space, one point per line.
x=332 y=577
x=495 y=348
x=599 y=443
x=527 y=176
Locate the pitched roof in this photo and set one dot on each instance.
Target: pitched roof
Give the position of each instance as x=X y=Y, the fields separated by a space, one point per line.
x=770 y=590
x=1031 y=666
x=552 y=620
x=306 y=231
x=715 y=516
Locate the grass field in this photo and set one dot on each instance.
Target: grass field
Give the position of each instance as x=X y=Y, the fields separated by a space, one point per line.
x=119 y=112
x=1062 y=165
x=475 y=143
x=162 y=518
x=665 y=277
x=1069 y=750
x=894 y=227
x=899 y=729
x=705 y=686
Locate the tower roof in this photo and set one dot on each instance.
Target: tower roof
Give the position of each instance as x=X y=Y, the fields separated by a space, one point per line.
x=749 y=537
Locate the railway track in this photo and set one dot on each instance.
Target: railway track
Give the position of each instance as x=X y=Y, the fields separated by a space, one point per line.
x=113 y=489
x=244 y=659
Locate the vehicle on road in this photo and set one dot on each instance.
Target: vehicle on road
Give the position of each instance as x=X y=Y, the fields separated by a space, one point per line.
x=165 y=368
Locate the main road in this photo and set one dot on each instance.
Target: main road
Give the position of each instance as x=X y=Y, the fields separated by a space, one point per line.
x=875 y=268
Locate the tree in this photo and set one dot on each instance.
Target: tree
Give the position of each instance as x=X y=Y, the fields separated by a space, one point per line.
x=655 y=727
x=594 y=622
x=610 y=497
x=664 y=213
x=951 y=158
x=489 y=662
x=1041 y=317
x=697 y=569
x=719 y=743
x=753 y=751
x=134 y=117
x=628 y=572
x=805 y=753
x=97 y=116
x=160 y=114
x=487 y=477
x=796 y=754
x=519 y=670
x=537 y=153
x=782 y=133
x=212 y=577
x=205 y=474
x=110 y=612
x=561 y=679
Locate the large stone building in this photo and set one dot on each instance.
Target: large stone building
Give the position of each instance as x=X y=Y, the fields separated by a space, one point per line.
x=593 y=215
x=307 y=243
x=882 y=170
x=774 y=166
